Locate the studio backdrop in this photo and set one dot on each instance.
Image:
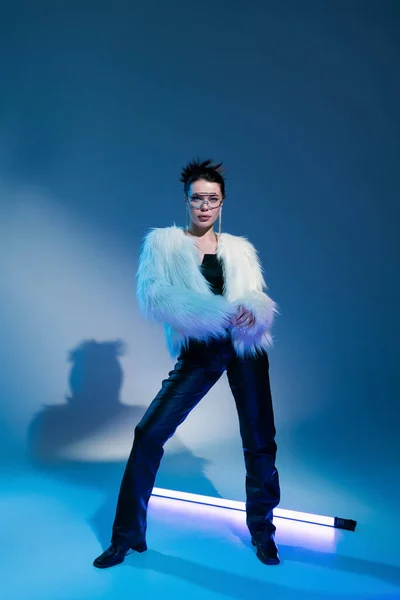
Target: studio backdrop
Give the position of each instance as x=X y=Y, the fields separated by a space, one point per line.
x=101 y=105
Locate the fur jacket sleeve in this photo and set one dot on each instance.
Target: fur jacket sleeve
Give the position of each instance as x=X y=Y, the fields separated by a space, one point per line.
x=172 y=290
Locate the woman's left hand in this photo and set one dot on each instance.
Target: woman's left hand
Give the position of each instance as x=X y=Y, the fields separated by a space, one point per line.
x=243 y=318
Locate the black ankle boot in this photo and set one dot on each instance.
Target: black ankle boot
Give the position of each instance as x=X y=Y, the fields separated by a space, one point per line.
x=115 y=555
x=267 y=550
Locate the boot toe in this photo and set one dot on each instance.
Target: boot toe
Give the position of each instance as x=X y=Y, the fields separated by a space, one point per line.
x=267 y=550
x=114 y=555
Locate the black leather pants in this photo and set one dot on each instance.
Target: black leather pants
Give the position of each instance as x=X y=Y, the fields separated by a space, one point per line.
x=197 y=369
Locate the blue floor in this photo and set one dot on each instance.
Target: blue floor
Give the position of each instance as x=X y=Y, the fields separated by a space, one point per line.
x=52 y=530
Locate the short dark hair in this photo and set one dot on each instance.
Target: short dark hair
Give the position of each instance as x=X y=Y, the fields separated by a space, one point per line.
x=197 y=169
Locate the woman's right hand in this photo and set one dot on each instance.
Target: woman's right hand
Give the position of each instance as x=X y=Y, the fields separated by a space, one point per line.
x=243 y=318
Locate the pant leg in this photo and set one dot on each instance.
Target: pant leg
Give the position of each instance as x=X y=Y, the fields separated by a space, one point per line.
x=195 y=372
x=250 y=384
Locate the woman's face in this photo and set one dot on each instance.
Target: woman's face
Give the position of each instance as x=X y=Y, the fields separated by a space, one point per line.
x=204 y=216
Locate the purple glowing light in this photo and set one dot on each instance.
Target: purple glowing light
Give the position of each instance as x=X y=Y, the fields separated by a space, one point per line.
x=237 y=505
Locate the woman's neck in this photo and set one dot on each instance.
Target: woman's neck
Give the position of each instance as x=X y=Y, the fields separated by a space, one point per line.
x=206 y=241
x=204 y=235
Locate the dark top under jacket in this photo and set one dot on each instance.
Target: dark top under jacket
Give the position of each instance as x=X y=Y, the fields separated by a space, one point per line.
x=211 y=269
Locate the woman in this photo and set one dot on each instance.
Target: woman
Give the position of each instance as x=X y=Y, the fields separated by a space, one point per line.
x=208 y=291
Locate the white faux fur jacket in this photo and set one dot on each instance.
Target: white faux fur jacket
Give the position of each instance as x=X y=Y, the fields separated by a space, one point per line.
x=172 y=289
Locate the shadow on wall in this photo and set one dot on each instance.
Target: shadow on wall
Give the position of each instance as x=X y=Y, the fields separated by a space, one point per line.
x=94 y=419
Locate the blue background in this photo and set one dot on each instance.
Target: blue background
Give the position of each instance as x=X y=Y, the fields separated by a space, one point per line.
x=101 y=105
